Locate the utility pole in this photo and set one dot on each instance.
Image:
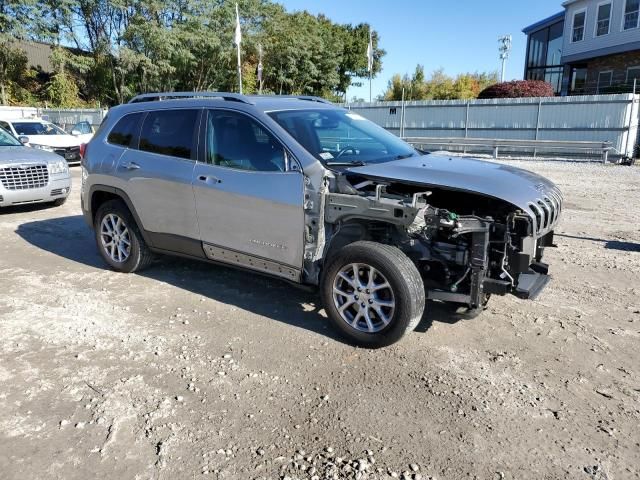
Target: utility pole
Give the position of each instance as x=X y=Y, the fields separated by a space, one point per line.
x=504 y=48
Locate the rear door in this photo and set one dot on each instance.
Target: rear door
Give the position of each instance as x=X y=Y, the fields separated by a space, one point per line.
x=249 y=200
x=157 y=176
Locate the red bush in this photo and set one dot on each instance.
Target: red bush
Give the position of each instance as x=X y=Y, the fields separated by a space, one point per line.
x=518 y=89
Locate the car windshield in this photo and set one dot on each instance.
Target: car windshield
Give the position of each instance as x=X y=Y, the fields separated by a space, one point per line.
x=37 y=128
x=8 y=140
x=338 y=137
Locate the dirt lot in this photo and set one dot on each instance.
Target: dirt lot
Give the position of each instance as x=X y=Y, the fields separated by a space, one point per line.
x=190 y=370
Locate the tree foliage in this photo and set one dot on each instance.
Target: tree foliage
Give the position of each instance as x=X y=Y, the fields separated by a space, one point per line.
x=439 y=86
x=125 y=47
x=518 y=89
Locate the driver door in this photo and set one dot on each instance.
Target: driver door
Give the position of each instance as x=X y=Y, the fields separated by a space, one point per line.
x=249 y=203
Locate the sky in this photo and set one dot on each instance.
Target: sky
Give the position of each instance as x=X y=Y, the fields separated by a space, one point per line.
x=457 y=35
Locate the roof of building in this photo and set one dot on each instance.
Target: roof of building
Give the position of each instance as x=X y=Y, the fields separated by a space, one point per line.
x=544 y=23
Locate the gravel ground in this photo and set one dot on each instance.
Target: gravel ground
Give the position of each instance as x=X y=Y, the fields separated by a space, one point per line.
x=194 y=371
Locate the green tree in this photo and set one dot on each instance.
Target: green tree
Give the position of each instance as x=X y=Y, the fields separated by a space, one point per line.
x=124 y=47
x=439 y=86
x=17 y=19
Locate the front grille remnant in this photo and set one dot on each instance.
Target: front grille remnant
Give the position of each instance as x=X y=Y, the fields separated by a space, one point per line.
x=24 y=177
x=546 y=211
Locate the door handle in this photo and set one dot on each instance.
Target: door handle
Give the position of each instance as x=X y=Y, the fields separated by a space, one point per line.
x=209 y=179
x=131 y=166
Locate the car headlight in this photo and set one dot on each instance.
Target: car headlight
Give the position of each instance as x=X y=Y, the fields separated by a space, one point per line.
x=46 y=148
x=58 y=167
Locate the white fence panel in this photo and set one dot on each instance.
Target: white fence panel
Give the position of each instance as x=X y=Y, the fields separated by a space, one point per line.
x=612 y=118
x=65 y=117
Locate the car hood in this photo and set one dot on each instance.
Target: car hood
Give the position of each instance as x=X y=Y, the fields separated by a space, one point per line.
x=21 y=155
x=56 y=141
x=514 y=185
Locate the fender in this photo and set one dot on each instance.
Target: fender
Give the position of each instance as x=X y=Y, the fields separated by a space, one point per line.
x=89 y=213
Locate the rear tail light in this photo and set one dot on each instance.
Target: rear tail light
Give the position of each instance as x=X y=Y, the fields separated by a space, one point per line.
x=83 y=149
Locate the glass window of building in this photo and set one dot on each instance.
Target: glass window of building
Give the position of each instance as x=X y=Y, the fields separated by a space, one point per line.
x=578 y=80
x=545 y=54
x=631 y=14
x=579 y=19
x=604 y=81
x=604 y=19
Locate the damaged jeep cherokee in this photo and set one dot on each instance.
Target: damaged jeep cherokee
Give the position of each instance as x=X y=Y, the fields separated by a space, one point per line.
x=297 y=188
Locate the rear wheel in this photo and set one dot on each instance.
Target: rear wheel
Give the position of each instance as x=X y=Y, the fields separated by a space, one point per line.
x=119 y=239
x=373 y=293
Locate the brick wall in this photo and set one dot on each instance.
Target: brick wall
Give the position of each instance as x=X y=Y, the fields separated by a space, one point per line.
x=618 y=64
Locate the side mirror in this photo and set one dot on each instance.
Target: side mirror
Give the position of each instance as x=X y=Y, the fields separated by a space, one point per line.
x=75 y=133
x=23 y=140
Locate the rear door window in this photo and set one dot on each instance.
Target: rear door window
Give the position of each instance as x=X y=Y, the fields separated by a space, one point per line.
x=126 y=130
x=170 y=132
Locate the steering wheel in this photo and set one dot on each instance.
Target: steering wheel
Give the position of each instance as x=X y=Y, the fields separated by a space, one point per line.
x=346 y=149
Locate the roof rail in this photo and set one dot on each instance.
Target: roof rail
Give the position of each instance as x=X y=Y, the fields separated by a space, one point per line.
x=160 y=96
x=309 y=98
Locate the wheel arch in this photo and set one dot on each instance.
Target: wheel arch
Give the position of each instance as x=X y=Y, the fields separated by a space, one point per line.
x=352 y=230
x=99 y=194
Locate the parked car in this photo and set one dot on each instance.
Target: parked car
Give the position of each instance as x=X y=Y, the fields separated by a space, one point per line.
x=29 y=175
x=44 y=135
x=83 y=131
x=300 y=189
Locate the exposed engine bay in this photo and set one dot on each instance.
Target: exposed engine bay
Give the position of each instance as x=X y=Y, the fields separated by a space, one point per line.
x=466 y=246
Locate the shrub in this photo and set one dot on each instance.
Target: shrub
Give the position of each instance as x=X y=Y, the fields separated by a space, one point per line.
x=518 y=89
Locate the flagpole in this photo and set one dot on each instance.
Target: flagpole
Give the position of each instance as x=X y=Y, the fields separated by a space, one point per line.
x=260 y=71
x=238 y=41
x=239 y=70
x=370 y=62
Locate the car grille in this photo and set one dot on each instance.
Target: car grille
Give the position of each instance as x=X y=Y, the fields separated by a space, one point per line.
x=546 y=211
x=24 y=177
x=69 y=153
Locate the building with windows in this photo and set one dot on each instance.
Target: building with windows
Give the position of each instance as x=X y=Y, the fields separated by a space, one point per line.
x=591 y=47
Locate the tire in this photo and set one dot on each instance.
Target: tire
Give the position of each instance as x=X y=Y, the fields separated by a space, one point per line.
x=59 y=202
x=395 y=281
x=133 y=256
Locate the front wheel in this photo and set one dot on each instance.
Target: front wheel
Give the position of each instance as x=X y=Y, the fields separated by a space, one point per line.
x=373 y=293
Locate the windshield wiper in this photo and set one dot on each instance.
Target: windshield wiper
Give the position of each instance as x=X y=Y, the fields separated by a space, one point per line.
x=402 y=157
x=353 y=163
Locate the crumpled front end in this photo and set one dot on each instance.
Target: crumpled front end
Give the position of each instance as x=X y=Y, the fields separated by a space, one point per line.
x=472 y=228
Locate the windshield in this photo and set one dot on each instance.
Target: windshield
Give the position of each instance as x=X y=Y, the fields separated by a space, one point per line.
x=7 y=140
x=37 y=128
x=338 y=137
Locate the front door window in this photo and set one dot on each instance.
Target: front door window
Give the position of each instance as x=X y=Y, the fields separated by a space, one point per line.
x=237 y=141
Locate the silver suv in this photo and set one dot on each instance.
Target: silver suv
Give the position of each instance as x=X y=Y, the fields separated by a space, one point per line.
x=300 y=189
